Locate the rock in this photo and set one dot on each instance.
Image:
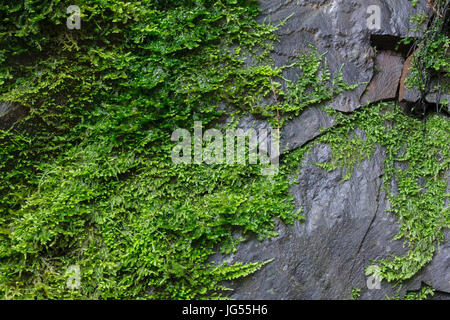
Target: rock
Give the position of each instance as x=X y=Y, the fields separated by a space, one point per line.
x=305 y=128
x=296 y=133
x=439 y=97
x=10 y=114
x=433 y=98
x=346 y=225
x=384 y=85
x=346 y=228
x=405 y=94
x=322 y=258
x=412 y=95
x=341 y=29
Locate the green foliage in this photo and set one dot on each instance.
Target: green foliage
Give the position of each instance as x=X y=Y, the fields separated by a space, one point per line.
x=87 y=177
x=314 y=85
x=424 y=293
x=431 y=55
x=356 y=293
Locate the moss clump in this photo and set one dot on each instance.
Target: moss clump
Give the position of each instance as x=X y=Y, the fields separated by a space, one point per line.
x=87 y=177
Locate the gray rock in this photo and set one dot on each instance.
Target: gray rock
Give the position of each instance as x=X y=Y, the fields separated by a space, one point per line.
x=406 y=94
x=346 y=228
x=346 y=225
x=10 y=114
x=433 y=98
x=305 y=128
x=439 y=97
x=437 y=273
x=413 y=95
x=339 y=28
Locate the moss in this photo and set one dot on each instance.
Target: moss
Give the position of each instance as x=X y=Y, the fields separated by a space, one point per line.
x=87 y=175
x=87 y=178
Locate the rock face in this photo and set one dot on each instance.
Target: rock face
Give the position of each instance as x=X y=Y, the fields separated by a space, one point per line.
x=346 y=31
x=346 y=228
x=341 y=28
x=413 y=95
x=405 y=94
x=346 y=225
x=310 y=122
x=439 y=97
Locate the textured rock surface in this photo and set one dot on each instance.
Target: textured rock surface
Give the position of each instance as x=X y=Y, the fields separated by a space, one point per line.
x=384 y=85
x=305 y=128
x=405 y=94
x=339 y=28
x=346 y=225
x=346 y=228
x=439 y=97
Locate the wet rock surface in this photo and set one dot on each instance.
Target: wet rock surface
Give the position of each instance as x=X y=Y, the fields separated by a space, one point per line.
x=346 y=225
x=341 y=29
x=406 y=94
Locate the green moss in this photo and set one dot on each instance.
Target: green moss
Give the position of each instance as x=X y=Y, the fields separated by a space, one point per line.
x=87 y=177
x=356 y=293
x=424 y=293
